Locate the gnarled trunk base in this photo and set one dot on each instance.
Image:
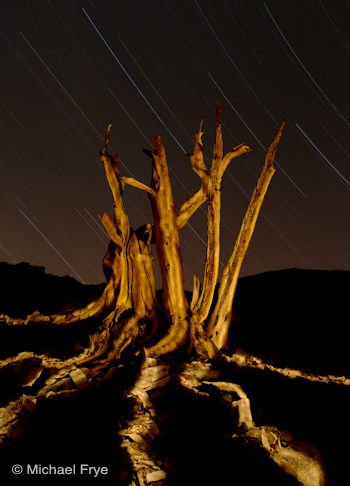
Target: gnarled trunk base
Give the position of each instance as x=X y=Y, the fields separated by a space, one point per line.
x=190 y=420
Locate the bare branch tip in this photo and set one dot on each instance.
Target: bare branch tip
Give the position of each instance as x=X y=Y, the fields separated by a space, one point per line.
x=103 y=151
x=108 y=132
x=280 y=131
x=244 y=146
x=158 y=144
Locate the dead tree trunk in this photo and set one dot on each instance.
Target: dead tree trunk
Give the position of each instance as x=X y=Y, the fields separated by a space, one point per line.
x=129 y=318
x=130 y=262
x=128 y=313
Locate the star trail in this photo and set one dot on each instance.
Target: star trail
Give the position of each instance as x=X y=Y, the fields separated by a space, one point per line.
x=68 y=69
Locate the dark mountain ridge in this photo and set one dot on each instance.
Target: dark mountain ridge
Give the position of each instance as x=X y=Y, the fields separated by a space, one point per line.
x=25 y=288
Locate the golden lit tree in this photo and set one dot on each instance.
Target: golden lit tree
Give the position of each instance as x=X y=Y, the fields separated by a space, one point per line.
x=131 y=319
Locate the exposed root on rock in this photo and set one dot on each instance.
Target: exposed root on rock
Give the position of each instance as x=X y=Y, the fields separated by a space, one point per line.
x=294 y=457
x=246 y=360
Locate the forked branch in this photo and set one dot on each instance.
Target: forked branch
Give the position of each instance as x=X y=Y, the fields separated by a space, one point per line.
x=219 y=322
x=201 y=307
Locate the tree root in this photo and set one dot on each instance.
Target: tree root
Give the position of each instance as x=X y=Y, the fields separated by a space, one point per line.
x=246 y=360
x=296 y=458
x=96 y=309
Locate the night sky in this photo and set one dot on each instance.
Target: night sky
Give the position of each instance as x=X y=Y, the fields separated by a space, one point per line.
x=68 y=68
